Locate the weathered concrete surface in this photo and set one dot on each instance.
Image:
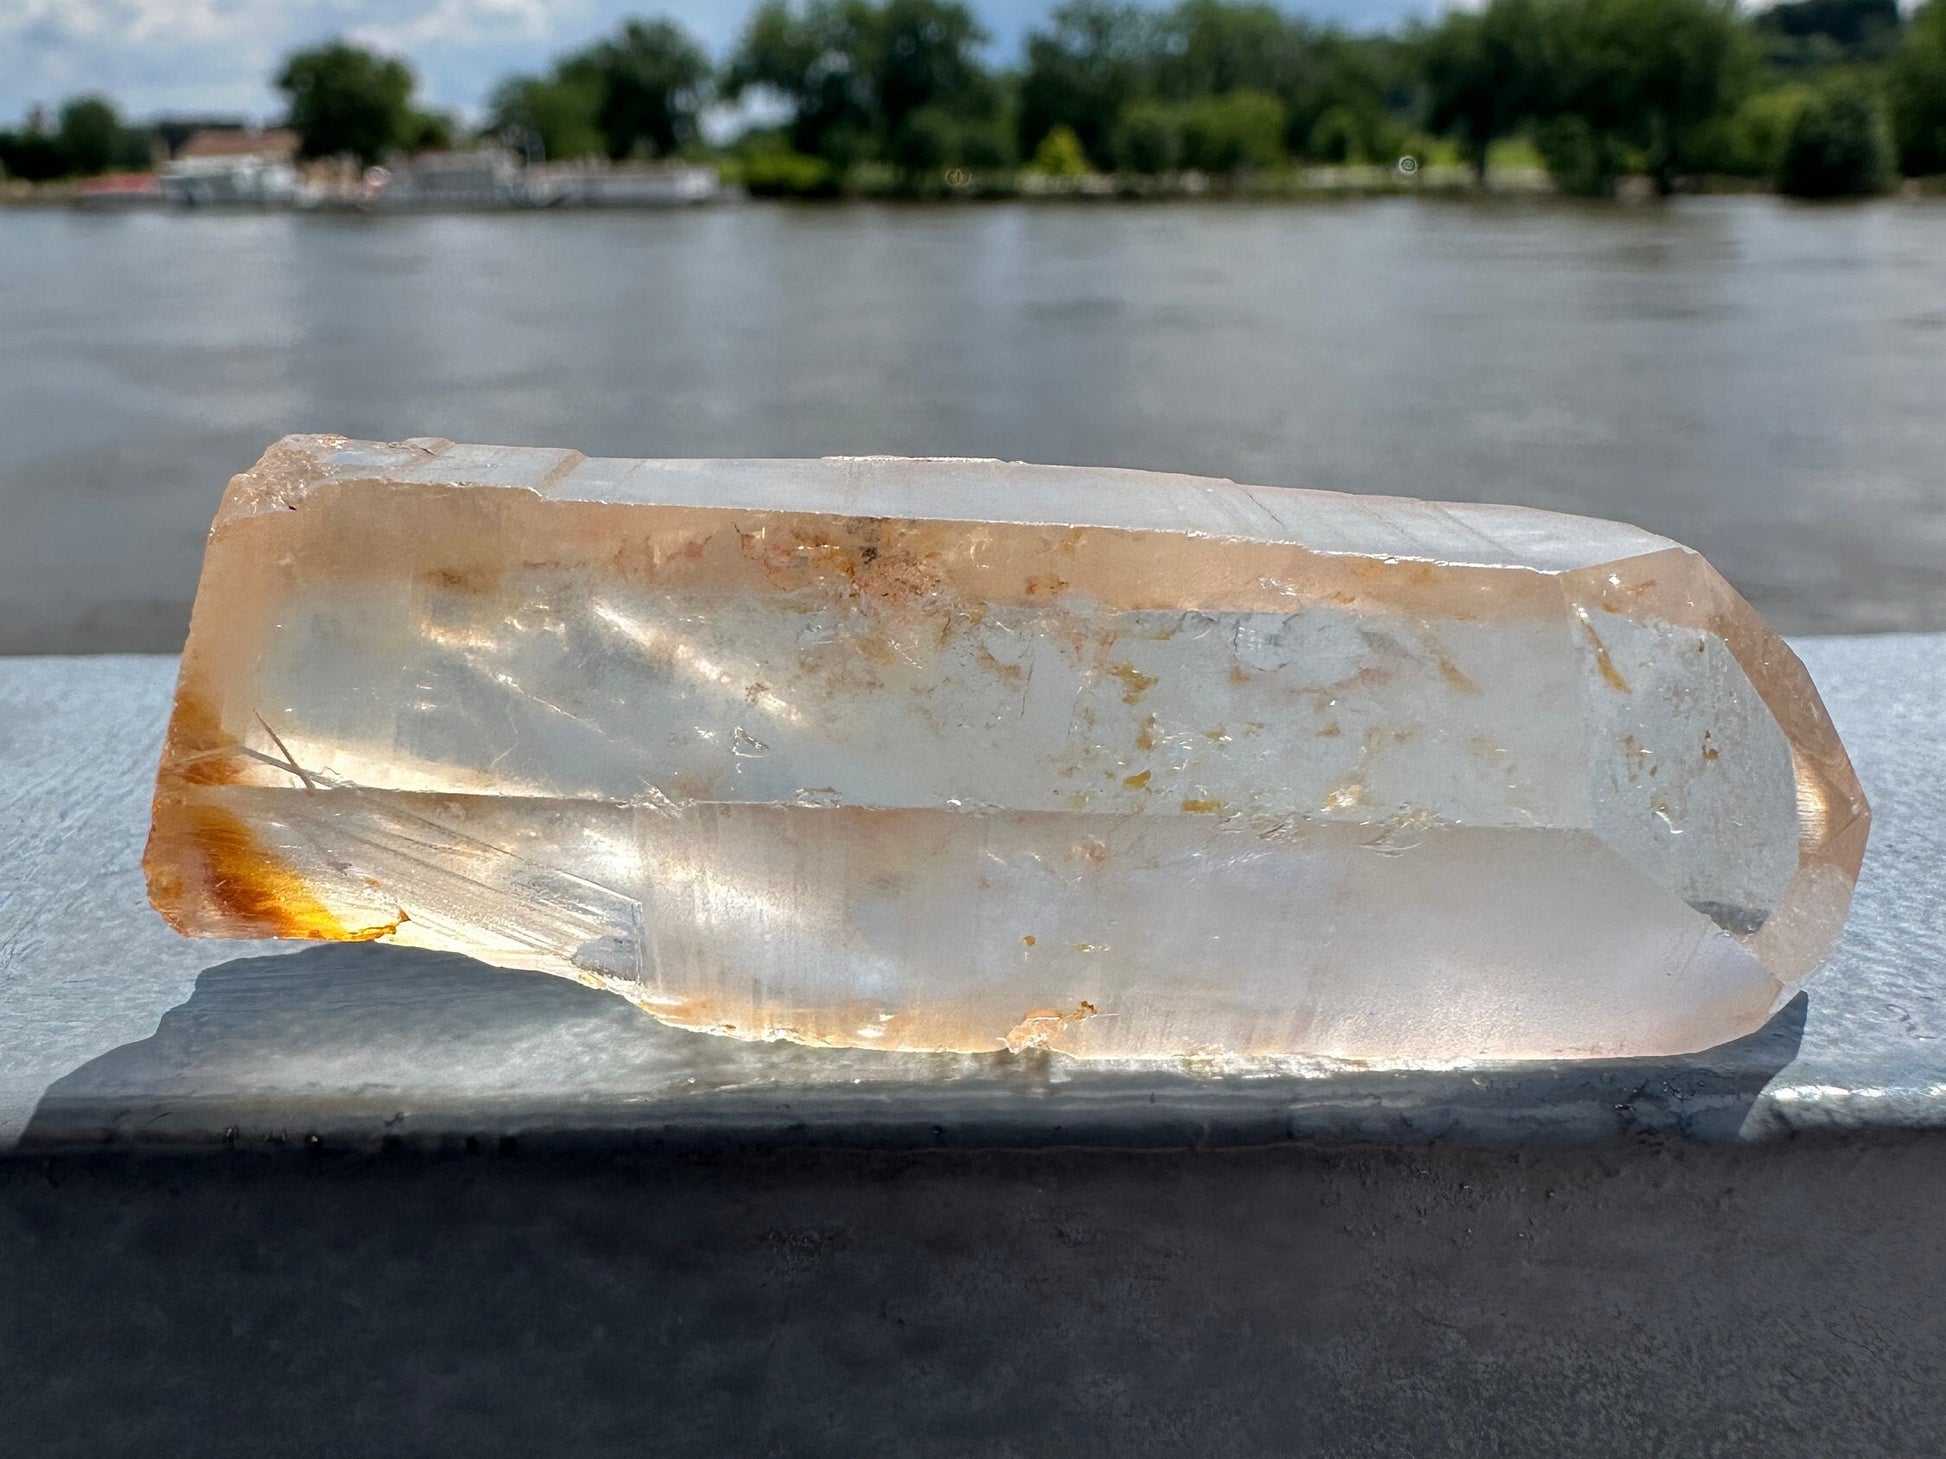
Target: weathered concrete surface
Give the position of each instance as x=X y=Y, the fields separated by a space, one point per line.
x=1775 y=1301
x=112 y=1027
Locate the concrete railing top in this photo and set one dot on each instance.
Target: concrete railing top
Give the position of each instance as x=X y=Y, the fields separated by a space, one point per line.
x=113 y=1029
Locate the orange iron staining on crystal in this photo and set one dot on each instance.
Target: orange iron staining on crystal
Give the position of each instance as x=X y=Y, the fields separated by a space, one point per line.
x=800 y=749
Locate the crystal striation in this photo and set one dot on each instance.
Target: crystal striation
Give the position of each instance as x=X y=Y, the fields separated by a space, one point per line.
x=964 y=755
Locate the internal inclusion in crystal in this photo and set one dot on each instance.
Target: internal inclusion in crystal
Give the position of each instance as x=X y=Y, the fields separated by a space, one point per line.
x=964 y=755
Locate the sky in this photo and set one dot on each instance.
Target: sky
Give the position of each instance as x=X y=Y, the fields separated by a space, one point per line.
x=217 y=55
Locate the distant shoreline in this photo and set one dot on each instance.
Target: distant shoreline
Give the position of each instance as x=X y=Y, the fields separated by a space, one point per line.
x=1307 y=184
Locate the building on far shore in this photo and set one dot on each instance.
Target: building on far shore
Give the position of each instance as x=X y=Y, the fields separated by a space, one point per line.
x=637 y=185
x=232 y=166
x=485 y=177
x=493 y=178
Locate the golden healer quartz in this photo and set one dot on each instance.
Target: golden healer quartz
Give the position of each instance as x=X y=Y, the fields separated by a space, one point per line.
x=970 y=755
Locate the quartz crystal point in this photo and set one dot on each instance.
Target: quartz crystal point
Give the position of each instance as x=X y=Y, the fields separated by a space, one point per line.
x=947 y=754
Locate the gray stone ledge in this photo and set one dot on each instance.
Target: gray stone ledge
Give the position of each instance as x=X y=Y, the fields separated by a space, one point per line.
x=114 y=1030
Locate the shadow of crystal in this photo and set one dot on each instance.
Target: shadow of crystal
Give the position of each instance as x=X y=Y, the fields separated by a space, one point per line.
x=362 y=1043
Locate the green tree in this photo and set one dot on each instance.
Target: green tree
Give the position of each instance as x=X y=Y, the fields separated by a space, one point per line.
x=988 y=143
x=1917 y=87
x=1648 y=75
x=1349 y=98
x=1582 y=160
x=1839 y=146
x=1091 y=65
x=930 y=82
x=1216 y=48
x=652 y=82
x=1485 y=73
x=556 y=116
x=1749 y=142
x=344 y=98
x=1209 y=48
x=1149 y=138
x=32 y=155
x=900 y=81
x=1220 y=134
x=820 y=59
x=1244 y=129
x=1132 y=84
x=927 y=56
x=926 y=143
x=932 y=139
x=91 y=135
x=1338 y=136
x=430 y=131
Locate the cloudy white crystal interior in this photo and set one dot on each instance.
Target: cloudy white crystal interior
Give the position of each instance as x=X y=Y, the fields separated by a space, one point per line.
x=971 y=755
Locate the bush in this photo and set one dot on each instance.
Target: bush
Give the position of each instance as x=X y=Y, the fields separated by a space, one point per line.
x=987 y=146
x=31 y=157
x=1356 y=134
x=1581 y=161
x=1148 y=139
x=931 y=140
x=1336 y=137
x=1750 y=141
x=1231 y=132
x=778 y=173
x=1060 y=155
x=925 y=142
x=1838 y=146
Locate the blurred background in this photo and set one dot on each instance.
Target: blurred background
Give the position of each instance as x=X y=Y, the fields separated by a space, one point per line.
x=1663 y=260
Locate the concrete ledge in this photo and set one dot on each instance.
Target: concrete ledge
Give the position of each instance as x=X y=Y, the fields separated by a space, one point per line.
x=114 y=1030
x=1360 y=1303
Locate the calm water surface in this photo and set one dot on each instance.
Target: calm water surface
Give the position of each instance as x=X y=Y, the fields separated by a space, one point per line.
x=1763 y=381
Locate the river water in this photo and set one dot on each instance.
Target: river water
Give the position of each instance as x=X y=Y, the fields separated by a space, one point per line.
x=1764 y=381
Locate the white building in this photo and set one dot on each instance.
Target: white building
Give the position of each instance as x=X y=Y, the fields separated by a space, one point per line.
x=232 y=167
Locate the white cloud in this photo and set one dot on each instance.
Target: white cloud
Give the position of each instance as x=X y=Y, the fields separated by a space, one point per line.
x=466 y=22
x=218 y=55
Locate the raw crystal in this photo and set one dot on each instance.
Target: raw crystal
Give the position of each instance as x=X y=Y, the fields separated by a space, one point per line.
x=945 y=754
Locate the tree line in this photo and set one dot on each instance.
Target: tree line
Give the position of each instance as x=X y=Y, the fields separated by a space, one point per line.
x=1819 y=97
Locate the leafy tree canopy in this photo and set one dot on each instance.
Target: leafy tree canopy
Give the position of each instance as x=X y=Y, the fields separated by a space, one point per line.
x=1486 y=74
x=1917 y=88
x=1103 y=70
x=555 y=118
x=641 y=91
x=899 y=80
x=1838 y=146
x=1615 y=76
x=91 y=136
x=651 y=82
x=346 y=99
x=1085 y=71
x=818 y=59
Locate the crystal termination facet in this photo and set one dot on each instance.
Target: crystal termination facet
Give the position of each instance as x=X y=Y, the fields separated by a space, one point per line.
x=943 y=754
